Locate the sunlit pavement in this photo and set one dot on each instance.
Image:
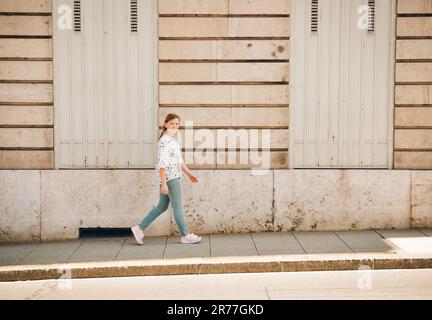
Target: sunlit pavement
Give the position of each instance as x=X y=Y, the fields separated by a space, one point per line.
x=360 y=284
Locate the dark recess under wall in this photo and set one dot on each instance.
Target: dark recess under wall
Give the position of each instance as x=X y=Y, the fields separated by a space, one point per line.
x=104 y=232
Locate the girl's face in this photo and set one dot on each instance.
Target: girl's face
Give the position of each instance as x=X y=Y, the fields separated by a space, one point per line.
x=172 y=125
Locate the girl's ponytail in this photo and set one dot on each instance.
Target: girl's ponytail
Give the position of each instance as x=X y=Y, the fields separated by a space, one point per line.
x=169 y=117
x=163 y=131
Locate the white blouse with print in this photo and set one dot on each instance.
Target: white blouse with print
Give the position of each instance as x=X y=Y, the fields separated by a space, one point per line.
x=169 y=157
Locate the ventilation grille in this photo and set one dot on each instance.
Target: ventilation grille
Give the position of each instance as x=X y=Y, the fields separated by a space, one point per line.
x=104 y=232
x=133 y=16
x=77 y=15
x=371 y=16
x=314 y=16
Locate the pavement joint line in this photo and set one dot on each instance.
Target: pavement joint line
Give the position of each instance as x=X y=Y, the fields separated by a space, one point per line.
x=70 y=257
x=118 y=252
x=337 y=235
x=389 y=243
x=30 y=252
x=419 y=230
x=217 y=265
x=267 y=293
x=166 y=243
x=253 y=241
x=304 y=250
x=209 y=235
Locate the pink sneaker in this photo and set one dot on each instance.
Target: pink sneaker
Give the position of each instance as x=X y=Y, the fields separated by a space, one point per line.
x=190 y=238
x=138 y=234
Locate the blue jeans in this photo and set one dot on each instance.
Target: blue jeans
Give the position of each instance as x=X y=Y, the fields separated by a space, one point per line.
x=174 y=194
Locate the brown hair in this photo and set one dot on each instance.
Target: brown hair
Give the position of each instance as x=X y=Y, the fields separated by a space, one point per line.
x=168 y=118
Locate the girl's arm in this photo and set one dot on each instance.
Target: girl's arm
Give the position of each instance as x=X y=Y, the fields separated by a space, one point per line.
x=189 y=173
x=164 y=187
x=186 y=170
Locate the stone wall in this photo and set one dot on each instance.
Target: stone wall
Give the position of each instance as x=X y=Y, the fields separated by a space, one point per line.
x=54 y=204
x=26 y=85
x=224 y=64
x=413 y=87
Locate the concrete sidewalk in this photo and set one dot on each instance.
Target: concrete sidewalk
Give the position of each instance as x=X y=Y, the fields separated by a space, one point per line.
x=218 y=253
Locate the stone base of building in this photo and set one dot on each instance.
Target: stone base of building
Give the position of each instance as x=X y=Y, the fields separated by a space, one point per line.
x=55 y=204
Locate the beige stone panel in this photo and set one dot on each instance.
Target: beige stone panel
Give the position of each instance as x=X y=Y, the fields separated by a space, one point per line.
x=26 y=92
x=413 y=116
x=307 y=200
x=207 y=138
x=26 y=115
x=223 y=27
x=25 y=25
x=266 y=94
x=414 y=49
x=198 y=116
x=187 y=49
x=25 y=6
x=258 y=27
x=413 y=138
x=26 y=159
x=193 y=7
x=26 y=70
x=194 y=94
x=246 y=138
x=26 y=137
x=260 y=117
x=259 y=7
x=200 y=159
x=192 y=72
x=73 y=199
x=192 y=27
x=413 y=72
x=254 y=71
x=224 y=49
x=20 y=205
x=193 y=138
x=413 y=94
x=279 y=138
x=243 y=204
x=421 y=205
x=258 y=160
x=223 y=94
x=417 y=6
x=25 y=48
x=414 y=26
x=279 y=159
x=252 y=49
x=413 y=160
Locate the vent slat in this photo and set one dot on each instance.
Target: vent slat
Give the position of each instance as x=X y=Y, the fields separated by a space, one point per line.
x=371 y=16
x=77 y=15
x=314 y=16
x=133 y=16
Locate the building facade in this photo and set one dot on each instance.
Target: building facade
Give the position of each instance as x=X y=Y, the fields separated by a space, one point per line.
x=337 y=93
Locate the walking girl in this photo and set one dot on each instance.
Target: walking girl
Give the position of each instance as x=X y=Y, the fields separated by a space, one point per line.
x=169 y=172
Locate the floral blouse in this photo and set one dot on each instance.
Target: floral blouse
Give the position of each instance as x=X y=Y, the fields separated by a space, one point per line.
x=170 y=158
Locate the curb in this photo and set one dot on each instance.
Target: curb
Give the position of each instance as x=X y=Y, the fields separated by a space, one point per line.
x=213 y=265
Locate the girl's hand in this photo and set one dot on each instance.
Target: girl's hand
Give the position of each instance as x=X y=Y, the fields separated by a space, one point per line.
x=193 y=178
x=164 y=189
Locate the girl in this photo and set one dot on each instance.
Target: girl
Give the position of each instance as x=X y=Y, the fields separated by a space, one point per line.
x=169 y=168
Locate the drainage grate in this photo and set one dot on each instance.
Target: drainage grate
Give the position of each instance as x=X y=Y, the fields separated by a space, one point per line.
x=104 y=232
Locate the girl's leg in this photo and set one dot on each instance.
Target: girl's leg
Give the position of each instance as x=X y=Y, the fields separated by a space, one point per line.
x=176 y=203
x=156 y=211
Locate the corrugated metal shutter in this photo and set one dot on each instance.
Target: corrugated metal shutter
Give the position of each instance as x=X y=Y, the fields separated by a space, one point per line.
x=104 y=83
x=341 y=83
